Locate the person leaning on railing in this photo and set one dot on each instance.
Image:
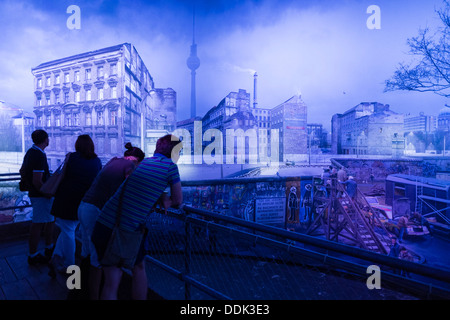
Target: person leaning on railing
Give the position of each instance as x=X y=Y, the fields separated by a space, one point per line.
x=136 y=197
x=102 y=189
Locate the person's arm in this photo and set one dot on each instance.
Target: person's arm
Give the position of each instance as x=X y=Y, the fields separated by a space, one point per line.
x=38 y=179
x=176 y=197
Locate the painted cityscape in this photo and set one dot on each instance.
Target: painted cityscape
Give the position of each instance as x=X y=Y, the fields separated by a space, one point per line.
x=278 y=104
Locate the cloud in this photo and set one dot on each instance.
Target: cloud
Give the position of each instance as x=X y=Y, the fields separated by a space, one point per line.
x=318 y=48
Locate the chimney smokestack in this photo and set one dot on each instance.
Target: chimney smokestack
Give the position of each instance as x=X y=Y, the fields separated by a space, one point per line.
x=255 y=78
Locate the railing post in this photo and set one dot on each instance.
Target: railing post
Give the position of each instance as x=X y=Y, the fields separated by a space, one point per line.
x=187 y=259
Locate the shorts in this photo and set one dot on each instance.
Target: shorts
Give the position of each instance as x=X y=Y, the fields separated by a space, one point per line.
x=88 y=214
x=41 y=209
x=100 y=238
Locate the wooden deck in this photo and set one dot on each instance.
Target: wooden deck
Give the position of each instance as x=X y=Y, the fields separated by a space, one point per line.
x=20 y=281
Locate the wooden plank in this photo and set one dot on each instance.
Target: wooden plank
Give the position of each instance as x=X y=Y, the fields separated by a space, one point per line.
x=47 y=288
x=13 y=248
x=19 y=290
x=6 y=274
x=19 y=265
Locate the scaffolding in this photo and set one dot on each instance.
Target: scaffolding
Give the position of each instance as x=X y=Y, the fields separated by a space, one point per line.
x=342 y=219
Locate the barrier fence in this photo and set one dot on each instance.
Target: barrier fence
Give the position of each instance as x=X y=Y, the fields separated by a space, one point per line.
x=195 y=254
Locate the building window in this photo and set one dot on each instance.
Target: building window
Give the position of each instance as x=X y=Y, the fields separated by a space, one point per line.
x=88 y=118
x=77 y=96
x=56 y=98
x=113 y=118
x=88 y=74
x=39 y=83
x=47 y=99
x=57 y=79
x=100 y=72
x=88 y=95
x=39 y=121
x=47 y=81
x=100 y=94
x=58 y=120
x=66 y=77
x=48 y=121
x=114 y=92
x=68 y=118
x=66 y=97
x=113 y=68
x=127 y=80
x=76 y=119
x=100 y=118
x=77 y=75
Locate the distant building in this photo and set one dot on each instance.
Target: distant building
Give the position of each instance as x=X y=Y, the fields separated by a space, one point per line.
x=444 y=119
x=368 y=129
x=422 y=123
x=262 y=117
x=317 y=135
x=290 y=118
x=108 y=94
x=16 y=126
x=234 y=113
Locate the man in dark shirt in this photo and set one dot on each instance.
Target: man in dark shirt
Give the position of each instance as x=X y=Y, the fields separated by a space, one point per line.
x=352 y=187
x=36 y=173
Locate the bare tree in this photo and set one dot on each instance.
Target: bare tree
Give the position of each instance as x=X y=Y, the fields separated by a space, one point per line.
x=430 y=70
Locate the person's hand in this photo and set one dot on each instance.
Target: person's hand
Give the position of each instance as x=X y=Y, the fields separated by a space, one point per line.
x=166 y=202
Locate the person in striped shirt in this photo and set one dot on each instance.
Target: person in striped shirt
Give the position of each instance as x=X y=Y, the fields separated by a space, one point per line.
x=141 y=191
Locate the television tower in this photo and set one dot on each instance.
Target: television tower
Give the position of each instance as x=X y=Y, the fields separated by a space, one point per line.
x=193 y=62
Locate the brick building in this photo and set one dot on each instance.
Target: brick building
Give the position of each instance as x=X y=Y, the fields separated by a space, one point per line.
x=290 y=118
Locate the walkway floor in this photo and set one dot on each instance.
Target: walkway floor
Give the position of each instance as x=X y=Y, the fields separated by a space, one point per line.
x=20 y=281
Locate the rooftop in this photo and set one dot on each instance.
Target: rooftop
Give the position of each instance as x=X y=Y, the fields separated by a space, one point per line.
x=80 y=56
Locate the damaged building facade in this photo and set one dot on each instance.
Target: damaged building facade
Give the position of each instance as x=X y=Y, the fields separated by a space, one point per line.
x=234 y=112
x=108 y=94
x=370 y=128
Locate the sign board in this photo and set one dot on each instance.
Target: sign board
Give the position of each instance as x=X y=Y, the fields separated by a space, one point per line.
x=270 y=211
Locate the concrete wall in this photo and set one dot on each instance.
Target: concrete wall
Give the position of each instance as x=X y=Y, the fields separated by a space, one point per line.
x=361 y=169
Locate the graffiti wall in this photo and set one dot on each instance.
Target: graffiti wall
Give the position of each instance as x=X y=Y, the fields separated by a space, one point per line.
x=282 y=203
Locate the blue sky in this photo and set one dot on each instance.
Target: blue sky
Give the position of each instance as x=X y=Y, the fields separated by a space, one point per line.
x=321 y=49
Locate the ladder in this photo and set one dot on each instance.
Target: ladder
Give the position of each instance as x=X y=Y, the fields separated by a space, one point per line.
x=419 y=192
x=361 y=229
x=342 y=217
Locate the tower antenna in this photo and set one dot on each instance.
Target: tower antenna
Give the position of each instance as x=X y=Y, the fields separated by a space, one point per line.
x=193 y=62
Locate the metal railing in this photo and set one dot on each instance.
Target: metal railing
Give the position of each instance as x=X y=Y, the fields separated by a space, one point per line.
x=15 y=205
x=197 y=254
